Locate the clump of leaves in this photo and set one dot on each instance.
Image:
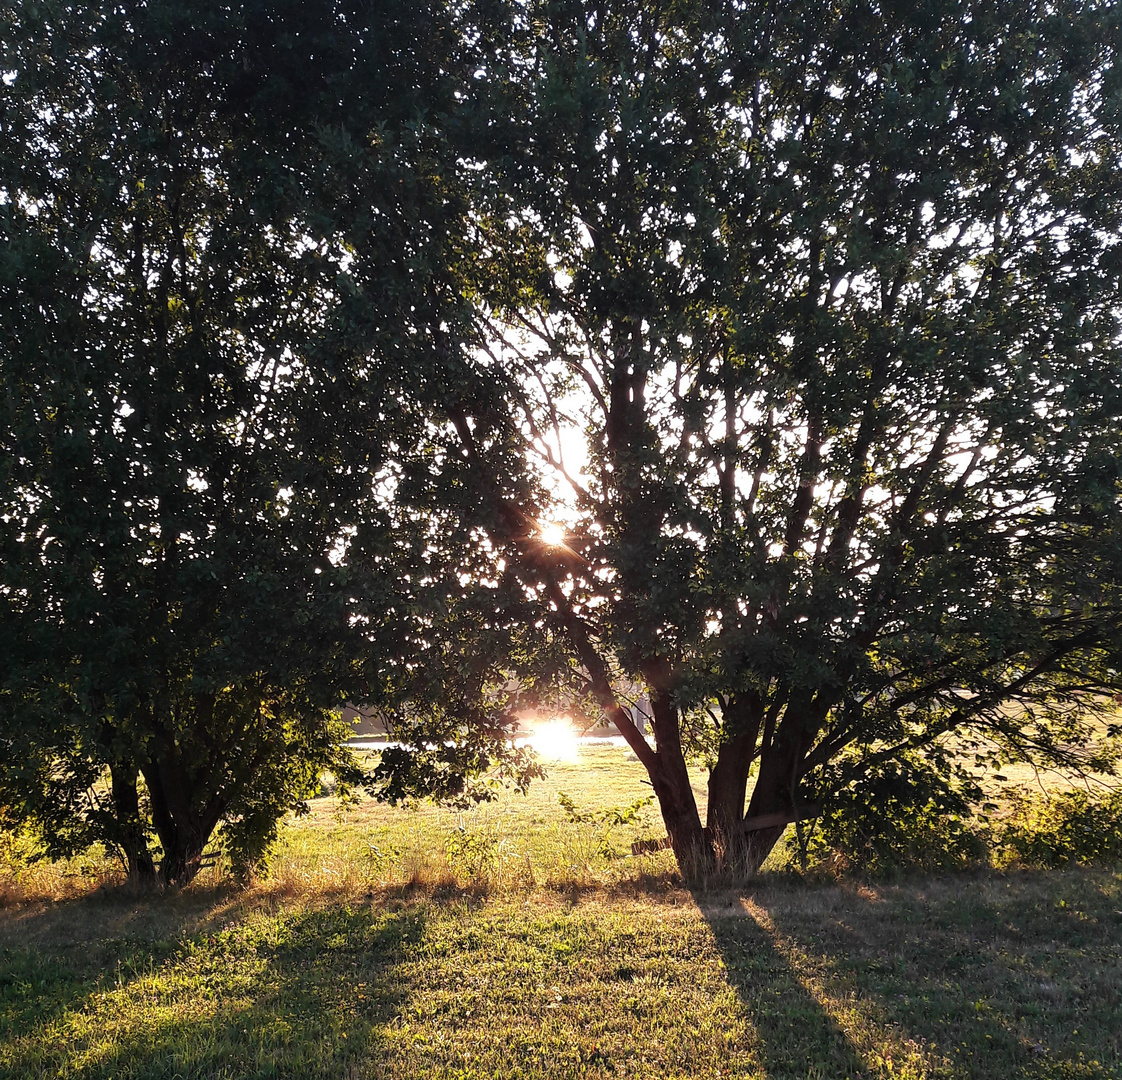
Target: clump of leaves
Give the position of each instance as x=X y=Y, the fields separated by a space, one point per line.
x=900 y=815
x=1073 y=827
x=18 y=848
x=604 y=821
x=249 y=832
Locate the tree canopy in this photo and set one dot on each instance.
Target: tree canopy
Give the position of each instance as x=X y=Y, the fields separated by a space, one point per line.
x=226 y=248
x=832 y=293
x=311 y=305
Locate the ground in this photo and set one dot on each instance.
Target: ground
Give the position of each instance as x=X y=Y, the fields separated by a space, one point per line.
x=512 y=942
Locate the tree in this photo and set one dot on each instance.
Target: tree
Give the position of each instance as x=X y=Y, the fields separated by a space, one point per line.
x=830 y=291
x=832 y=294
x=224 y=256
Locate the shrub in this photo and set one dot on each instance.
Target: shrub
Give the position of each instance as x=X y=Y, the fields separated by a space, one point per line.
x=1073 y=827
x=601 y=824
x=473 y=853
x=902 y=815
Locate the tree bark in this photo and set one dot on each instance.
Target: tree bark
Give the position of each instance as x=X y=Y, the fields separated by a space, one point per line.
x=728 y=782
x=126 y=810
x=776 y=790
x=688 y=839
x=671 y=782
x=182 y=824
x=728 y=785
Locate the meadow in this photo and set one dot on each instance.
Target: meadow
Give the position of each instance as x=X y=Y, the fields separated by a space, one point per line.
x=520 y=940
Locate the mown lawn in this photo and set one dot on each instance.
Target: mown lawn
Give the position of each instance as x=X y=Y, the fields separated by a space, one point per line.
x=393 y=954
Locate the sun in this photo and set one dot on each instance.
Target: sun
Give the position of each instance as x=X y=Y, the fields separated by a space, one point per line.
x=555 y=740
x=551 y=533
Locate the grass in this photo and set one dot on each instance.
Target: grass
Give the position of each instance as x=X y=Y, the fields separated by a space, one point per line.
x=517 y=841
x=384 y=944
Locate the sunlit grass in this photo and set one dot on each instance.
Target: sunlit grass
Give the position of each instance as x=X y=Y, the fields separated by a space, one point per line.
x=517 y=843
x=988 y=976
x=512 y=941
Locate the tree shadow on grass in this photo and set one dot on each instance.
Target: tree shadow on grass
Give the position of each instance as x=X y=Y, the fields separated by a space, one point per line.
x=289 y=995
x=55 y=955
x=962 y=978
x=797 y=1037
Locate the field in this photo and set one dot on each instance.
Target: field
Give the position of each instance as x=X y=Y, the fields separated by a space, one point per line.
x=511 y=941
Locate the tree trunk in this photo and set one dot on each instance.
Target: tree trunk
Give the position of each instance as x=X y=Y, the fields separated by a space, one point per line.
x=688 y=839
x=126 y=811
x=724 y=849
x=671 y=782
x=183 y=861
x=728 y=785
x=181 y=824
x=776 y=789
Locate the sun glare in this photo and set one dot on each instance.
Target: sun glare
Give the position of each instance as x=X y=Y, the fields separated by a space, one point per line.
x=555 y=740
x=549 y=532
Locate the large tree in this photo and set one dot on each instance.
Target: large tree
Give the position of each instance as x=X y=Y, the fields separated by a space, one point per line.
x=305 y=299
x=831 y=292
x=226 y=236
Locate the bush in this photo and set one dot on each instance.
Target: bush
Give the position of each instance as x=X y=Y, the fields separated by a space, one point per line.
x=903 y=815
x=473 y=853
x=1059 y=830
x=601 y=824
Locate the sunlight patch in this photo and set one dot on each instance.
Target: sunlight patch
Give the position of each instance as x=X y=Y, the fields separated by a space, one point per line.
x=556 y=740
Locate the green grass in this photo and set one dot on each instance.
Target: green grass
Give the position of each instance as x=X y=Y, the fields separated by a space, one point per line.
x=377 y=949
x=517 y=841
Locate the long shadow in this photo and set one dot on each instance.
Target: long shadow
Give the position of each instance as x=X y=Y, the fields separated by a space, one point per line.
x=55 y=956
x=974 y=988
x=797 y=1038
x=285 y=996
